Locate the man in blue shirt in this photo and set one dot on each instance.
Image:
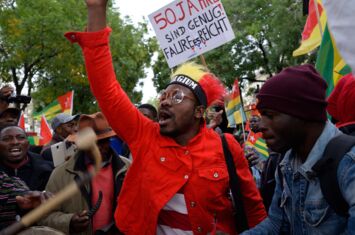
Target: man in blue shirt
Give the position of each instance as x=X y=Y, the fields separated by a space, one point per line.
x=293 y=109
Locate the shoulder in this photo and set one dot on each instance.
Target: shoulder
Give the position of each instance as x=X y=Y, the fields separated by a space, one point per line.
x=59 y=177
x=346 y=167
x=64 y=168
x=348 y=160
x=39 y=162
x=232 y=142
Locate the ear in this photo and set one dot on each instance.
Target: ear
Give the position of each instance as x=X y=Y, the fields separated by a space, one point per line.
x=59 y=130
x=199 y=111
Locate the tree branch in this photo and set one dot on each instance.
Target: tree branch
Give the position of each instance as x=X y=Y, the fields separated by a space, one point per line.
x=265 y=57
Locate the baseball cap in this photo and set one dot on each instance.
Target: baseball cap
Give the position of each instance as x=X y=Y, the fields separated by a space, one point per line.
x=63 y=118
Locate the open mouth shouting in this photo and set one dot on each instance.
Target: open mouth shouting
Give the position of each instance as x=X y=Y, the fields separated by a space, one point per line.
x=15 y=150
x=15 y=153
x=164 y=117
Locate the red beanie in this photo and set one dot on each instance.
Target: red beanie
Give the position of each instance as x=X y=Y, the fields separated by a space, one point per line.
x=298 y=91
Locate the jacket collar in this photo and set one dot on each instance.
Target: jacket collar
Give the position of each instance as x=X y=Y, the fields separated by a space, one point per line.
x=329 y=132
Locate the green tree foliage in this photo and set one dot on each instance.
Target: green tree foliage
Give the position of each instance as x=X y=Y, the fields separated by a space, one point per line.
x=35 y=54
x=267 y=31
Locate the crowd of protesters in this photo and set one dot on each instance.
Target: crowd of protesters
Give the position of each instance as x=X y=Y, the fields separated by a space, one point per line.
x=179 y=169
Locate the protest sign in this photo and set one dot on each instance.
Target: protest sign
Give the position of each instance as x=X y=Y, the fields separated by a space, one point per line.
x=188 y=28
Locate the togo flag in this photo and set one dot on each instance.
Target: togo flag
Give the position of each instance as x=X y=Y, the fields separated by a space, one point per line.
x=329 y=63
x=256 y=141
x=63 y=104
x=234 y=108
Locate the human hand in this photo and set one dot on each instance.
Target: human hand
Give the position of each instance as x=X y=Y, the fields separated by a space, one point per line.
x=215 y=118
x=96 y=14
x=6 y=91
x=32 y=199
x=92 y=3
x=79 y=222
x=252 y=156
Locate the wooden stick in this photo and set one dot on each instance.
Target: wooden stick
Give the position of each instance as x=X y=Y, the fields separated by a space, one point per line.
x=52 y=203
x=203 y=61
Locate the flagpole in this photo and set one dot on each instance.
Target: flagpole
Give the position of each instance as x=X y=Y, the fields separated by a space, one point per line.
x=72 y=103
x=203 y=61
x=243 y=128
x=241 y=113
x=318 y=17
x=240 y=94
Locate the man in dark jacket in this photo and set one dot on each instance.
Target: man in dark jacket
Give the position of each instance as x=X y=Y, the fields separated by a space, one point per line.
x=16 y=160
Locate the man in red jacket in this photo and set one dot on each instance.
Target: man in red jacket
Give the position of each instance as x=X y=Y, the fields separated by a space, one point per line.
x=178 y=182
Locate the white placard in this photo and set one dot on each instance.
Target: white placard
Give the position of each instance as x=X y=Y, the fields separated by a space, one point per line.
x=188 y=28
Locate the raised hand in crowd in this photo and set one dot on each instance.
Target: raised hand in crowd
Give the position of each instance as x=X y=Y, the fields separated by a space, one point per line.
x=215 y=118
x=96 y=14
x=5 y=92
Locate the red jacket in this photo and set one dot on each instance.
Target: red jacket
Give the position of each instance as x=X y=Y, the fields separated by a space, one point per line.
x=160 y=166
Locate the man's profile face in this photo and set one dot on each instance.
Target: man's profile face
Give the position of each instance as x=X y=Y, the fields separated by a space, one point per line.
x=13 y=144
x=176 y=119
x=280 y=131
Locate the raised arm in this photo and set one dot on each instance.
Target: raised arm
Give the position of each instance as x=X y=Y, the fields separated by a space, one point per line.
x=122 y=115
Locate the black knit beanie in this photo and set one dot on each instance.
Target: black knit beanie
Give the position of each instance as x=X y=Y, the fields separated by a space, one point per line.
x=298 y=91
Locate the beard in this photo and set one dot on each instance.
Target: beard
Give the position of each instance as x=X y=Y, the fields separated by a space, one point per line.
x=169 y=133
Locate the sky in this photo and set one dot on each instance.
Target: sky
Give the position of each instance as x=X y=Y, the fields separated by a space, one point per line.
x=137 y=9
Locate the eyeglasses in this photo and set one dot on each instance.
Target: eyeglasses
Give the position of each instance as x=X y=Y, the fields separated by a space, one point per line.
x=176 y=96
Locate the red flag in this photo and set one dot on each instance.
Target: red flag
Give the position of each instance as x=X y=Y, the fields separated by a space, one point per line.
x=66 y=102
x=21 y=121
x=45 y=134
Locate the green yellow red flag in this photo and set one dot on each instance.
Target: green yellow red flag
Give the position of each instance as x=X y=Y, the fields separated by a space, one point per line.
x=329 y=62
x=234 y=108
x=256 y=141
x=63 y=104
x=312 y=35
